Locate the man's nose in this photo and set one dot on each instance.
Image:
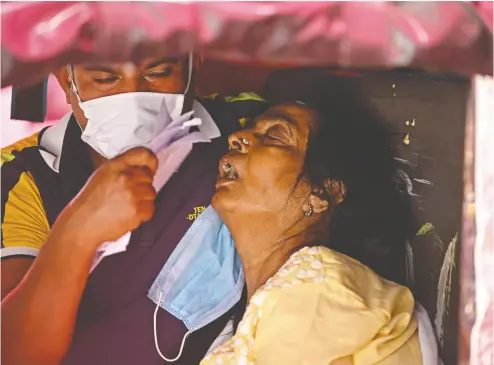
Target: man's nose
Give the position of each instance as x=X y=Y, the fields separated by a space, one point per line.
x=143 y=85
x=135 y=84
x=239 y=141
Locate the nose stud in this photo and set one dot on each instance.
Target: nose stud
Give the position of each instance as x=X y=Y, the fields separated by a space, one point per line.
x=245 y=141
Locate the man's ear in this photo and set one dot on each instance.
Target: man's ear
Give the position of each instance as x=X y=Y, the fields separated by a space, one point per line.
x=198 y=61
x=65 y=82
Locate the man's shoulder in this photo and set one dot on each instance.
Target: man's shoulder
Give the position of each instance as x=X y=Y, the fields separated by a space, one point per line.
x=9 y=153
x=242 y=96
x=19 y=162
x=16 y=163
x=24 y=224
x=241 y=106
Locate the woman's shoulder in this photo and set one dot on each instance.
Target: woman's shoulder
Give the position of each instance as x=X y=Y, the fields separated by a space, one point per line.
x=335 y=306
x=325 y=272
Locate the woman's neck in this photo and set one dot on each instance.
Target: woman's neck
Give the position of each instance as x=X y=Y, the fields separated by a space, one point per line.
x=263 y=246
x=259 y=269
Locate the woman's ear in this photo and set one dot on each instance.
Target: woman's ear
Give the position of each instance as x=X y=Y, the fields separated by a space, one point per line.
x=319 y=204
x=332 y=194
x=336 y=191
x=65 y=82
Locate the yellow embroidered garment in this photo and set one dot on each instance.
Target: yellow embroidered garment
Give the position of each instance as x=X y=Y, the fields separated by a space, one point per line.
x=324 y=308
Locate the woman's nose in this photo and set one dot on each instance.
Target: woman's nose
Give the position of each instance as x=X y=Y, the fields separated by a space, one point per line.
x=239 y=142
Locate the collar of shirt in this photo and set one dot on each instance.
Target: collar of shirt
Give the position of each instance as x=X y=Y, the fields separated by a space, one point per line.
x=65 y=153
x=54 y=138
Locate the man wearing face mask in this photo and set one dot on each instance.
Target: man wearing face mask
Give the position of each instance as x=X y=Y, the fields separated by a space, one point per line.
x=86 y=183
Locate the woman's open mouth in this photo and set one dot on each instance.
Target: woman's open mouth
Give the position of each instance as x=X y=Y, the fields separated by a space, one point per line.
x=227 y=174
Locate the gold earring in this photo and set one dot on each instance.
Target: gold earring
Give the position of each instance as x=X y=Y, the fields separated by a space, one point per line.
x=310 y=210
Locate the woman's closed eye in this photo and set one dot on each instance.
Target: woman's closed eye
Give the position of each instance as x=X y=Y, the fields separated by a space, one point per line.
x=278 y=133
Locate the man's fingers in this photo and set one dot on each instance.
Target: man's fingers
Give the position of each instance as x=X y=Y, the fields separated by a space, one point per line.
x=138 y=175
x=144 y=192
x=146 y=210
x=140 y=157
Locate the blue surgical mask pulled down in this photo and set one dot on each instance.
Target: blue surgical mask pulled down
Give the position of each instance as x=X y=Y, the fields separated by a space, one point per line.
x=203 y=278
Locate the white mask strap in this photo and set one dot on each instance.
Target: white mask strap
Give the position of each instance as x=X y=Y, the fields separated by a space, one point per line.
x=156 y=335
x=191 y=67
x=70 y=70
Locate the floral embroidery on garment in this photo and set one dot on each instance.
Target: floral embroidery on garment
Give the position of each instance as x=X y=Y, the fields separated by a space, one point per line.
x=304 y=266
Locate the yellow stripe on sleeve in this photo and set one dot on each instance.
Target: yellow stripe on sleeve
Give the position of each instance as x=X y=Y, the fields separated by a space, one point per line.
x=25 y=223
x=7 y=152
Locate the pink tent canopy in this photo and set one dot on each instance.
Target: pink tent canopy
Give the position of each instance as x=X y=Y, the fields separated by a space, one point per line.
x=450 y=36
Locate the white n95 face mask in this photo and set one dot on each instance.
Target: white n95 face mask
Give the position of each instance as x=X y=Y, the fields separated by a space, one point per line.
x=121 y=122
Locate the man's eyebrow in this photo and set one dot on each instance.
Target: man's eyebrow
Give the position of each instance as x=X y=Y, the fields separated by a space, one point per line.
x=100 y=68
x=161 y=61
x=111 y=70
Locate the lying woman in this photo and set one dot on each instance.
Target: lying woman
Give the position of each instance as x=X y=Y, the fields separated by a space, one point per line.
x=310 y=195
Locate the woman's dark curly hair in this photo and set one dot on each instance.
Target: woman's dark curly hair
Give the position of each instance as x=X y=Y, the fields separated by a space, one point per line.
x=350 y=145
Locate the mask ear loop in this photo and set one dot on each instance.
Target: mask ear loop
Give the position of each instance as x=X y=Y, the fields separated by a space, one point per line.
x=191 y=66
x=70 y=71
x=156 y=335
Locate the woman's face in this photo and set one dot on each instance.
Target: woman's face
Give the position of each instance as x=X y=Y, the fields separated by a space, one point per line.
x=259 y=174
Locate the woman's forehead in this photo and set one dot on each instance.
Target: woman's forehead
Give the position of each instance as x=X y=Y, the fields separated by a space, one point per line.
x=298 y=115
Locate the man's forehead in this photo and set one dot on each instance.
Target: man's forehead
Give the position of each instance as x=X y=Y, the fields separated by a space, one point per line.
x=125 y=67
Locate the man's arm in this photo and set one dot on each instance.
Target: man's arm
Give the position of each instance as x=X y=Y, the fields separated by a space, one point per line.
x=54 y=283
x=39 y=314
x=13 y=270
